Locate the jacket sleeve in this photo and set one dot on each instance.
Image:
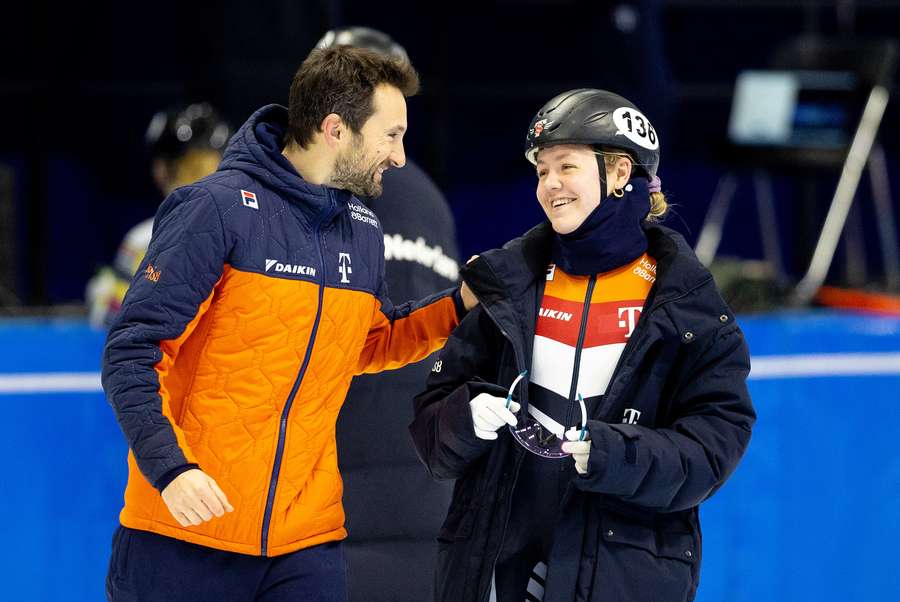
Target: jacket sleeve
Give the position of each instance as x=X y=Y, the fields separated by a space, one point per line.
x=442 y=428
x=170 y=292
x=678 y=467
x=403 y=334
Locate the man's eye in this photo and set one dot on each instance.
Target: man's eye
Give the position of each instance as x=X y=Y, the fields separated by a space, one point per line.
x=569 y=166
x=542 y=173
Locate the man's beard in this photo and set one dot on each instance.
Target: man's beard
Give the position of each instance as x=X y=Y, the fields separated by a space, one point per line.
x=351 y=173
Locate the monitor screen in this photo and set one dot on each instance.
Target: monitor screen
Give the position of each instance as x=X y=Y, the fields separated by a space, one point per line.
x=794 y=109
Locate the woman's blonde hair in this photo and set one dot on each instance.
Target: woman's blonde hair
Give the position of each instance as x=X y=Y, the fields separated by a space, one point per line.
x=658 y=204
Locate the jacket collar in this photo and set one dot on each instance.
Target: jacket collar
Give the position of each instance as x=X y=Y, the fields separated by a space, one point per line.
x=256 y=150
x=507 y=273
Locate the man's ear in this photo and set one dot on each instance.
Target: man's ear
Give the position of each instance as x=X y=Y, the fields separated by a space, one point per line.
x=333 y=129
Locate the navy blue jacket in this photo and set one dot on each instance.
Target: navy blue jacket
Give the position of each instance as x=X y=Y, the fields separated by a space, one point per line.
x=628 y=529
x=394 y=510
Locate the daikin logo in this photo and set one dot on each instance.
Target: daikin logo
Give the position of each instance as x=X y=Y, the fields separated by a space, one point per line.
x=289 y=268
x=555 y=314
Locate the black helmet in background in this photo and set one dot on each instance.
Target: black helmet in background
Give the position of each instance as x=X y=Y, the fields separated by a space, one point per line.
x=600 y=119
x=363 y=37
x=174 y=132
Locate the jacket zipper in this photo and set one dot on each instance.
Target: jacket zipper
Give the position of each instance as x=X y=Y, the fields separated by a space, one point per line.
x=520 y=363
x=282 y=429
x=578 y=347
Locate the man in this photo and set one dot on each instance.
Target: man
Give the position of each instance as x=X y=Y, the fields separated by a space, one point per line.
x=261 y=295
x=185 y=144
x=394 y=509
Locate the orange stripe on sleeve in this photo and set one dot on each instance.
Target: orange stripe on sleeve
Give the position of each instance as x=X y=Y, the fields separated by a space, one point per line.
x=171 y=390
x=391 y=345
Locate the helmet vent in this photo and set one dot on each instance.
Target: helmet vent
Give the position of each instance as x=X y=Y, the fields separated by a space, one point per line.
x=596 y=117
x=561 y=99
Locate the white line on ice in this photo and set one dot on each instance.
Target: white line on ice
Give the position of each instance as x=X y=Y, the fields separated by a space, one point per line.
x=824 y=364
x=763 y=367
x=50 y=382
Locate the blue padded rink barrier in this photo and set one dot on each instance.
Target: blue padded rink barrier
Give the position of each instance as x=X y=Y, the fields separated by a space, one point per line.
x=811 y=513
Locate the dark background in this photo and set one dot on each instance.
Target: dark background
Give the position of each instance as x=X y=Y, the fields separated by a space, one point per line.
x=78 y=85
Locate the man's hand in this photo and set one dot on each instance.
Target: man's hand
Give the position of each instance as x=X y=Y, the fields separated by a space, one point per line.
x=580 y=450
x=468 y=297
x=194 y=497
x=489 y=413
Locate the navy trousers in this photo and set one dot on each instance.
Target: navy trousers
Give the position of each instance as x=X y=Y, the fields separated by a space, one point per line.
x=147 y=567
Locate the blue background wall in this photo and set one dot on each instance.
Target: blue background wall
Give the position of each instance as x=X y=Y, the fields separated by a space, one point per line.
x=811 y=513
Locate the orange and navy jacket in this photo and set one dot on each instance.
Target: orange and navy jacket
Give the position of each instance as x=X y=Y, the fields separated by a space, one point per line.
x=260 y=297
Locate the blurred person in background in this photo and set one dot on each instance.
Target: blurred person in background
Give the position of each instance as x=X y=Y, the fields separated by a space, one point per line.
x=185 y=143
x=261 y=295
x=393 y=509
x=635 y=409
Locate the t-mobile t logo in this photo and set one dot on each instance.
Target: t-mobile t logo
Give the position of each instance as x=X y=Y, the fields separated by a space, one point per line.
x=630 y=320
x=344 y=269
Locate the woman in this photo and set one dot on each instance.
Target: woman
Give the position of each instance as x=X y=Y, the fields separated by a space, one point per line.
x=634 y=409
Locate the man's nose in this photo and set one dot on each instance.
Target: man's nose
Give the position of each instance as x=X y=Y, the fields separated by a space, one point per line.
x=398 y=157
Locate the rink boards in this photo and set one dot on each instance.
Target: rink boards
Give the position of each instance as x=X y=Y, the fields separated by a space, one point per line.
x=811 y=513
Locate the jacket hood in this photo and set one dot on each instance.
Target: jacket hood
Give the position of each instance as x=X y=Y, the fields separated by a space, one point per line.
x=509 y=271
x=256 y=150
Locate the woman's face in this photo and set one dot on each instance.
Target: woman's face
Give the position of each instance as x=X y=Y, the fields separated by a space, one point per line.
x=568 y=184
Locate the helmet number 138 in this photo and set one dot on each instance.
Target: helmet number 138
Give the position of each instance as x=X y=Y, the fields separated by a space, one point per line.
x=634 y=126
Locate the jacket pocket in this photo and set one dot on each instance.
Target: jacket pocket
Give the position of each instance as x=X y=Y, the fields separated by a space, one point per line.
x=661 y=543
x=639 y=561
x=118 y=561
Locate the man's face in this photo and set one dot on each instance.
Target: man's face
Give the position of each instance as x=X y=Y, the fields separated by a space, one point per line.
x=378 y=146
x=568 y=185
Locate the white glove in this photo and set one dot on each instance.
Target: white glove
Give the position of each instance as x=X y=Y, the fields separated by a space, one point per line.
x=489 y=413
x=580 y=450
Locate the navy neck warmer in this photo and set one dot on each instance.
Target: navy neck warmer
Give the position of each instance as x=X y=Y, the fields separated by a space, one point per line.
x=610 y=237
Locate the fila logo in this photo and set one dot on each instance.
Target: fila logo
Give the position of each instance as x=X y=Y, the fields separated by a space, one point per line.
x=632 y=314
x=249 y=200
x=303 y=270
x=344 y=268
x=551 y=270
x=555 y=314
x=631 y=416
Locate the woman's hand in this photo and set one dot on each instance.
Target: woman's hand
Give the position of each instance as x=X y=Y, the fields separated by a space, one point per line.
x=579 y=448
x=489 y=413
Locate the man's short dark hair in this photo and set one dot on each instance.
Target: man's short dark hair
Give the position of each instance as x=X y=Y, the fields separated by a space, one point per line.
x=342 y=80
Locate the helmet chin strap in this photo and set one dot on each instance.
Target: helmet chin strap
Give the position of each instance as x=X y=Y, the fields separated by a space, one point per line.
x=601 y=166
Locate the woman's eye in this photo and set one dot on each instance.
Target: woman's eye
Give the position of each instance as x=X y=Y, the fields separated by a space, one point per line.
x=541 y=174
x=568 y=166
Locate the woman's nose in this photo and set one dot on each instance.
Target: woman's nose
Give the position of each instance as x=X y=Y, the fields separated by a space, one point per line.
x=552 y=182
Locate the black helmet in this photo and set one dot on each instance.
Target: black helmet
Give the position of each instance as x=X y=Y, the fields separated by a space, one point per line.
x=597 y=118
x=363 y=37
x=173 y=132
